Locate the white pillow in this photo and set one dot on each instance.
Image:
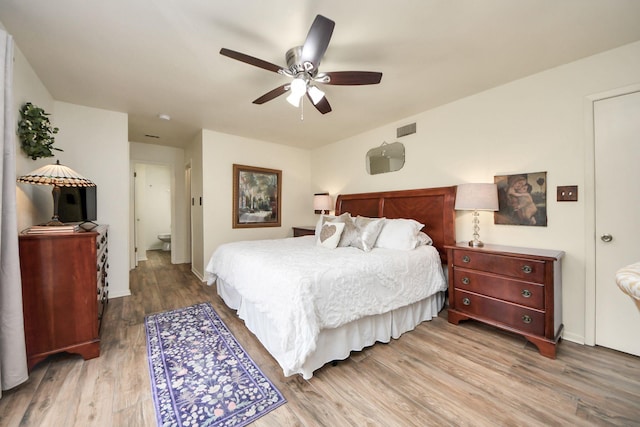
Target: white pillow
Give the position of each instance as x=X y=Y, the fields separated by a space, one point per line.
x=399 y=234
x=330 y=233
x=424 y=239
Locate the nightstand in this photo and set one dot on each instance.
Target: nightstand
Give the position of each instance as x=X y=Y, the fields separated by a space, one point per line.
x=308 y=230
x=516 y=289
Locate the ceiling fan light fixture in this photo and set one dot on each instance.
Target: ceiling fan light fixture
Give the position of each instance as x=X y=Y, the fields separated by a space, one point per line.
x=298 y=88
x=294 y=99
x=315 y=94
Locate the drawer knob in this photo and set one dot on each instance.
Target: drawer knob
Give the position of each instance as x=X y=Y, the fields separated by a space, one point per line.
x=526 y=318
x=527 y=269
x=526 y=293
x=466 y=258
x=465 y=280
x=466 y=301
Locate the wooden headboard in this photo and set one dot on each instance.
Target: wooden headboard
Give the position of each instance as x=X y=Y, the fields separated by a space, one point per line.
x=432 y=207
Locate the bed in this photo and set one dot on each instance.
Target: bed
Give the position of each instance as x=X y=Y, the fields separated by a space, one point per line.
x=309 y=305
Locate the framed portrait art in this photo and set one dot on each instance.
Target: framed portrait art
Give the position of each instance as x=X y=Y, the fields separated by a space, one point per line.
x=256 y=197
x=522 y=199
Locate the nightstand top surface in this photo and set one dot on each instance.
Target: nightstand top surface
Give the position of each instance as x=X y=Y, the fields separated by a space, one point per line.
x=548 y=253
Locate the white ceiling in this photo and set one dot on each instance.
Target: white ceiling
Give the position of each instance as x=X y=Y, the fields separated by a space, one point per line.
x=146 y=57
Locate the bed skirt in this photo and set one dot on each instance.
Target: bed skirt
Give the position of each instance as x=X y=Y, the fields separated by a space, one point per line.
x=336 y=343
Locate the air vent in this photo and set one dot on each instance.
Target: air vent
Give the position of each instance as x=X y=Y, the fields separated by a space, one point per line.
x=406 y=130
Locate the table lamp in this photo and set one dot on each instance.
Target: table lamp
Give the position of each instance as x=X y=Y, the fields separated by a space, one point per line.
x=476 y=197
x=322 y=203
x=59 y=176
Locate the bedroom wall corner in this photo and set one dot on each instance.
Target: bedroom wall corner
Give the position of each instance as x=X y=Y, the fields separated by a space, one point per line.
x=219 y=152
x=33 y=206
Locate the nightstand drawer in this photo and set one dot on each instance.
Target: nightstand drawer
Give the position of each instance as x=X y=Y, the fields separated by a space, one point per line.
x=519 y=292
x=520 y=268
x=511 y=315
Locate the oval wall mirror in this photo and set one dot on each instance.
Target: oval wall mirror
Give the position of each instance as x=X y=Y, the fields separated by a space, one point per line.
x=385 y=158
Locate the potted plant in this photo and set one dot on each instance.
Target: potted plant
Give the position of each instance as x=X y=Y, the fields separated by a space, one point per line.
x=35 y=132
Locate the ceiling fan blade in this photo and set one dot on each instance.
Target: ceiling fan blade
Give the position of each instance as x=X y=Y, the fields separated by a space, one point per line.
x=250 y=60
x=272 y=94
x=322 y=105
x=317 y=40
x=353 y=78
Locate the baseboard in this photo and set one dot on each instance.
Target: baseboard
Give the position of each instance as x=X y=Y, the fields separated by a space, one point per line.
x=578 y=339
x=119 y=294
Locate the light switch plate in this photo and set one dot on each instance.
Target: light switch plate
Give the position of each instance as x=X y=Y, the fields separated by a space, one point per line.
x=568 y=193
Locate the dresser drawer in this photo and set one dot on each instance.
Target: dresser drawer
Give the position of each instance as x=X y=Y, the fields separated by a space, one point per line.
x=520 y=268
x=520 y=292
x=511 y=315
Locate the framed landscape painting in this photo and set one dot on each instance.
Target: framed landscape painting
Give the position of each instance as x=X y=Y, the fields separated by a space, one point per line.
x=522 y=199
x=256 y=197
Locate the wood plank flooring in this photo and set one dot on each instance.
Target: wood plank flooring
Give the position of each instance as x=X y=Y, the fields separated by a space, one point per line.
x=439 y=374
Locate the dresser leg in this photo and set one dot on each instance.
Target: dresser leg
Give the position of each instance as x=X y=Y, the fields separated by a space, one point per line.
x=546 y=348
x=455 y=317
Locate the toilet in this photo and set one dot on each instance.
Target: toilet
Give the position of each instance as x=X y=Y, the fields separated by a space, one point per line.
x=166 y=241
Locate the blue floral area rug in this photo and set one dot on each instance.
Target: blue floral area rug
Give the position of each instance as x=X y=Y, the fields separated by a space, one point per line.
x=200 y=374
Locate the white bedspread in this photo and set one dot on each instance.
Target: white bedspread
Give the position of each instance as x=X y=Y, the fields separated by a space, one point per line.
x=303 y=288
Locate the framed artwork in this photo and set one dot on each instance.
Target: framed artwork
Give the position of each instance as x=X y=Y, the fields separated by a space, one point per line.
x=522 y=199
x=256 y=197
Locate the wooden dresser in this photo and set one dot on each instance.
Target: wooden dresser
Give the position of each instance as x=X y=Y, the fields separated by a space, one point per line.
x=516 y=289
x=64 y=292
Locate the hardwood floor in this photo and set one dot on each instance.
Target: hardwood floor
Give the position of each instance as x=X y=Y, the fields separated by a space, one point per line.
x=439 y=374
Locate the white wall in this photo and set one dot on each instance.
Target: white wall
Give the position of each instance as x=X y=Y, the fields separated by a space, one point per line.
x=34 y=203
x=174 y=158
x=95 y=144
x=91 y=138
x=531 y=125
x=193 y=158
x=219 y=153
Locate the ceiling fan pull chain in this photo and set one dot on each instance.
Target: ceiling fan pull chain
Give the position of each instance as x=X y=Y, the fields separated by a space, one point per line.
x=302 y=110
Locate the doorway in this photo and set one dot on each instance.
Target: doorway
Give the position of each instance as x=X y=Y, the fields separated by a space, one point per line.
x=617 y=208
x=152 y=207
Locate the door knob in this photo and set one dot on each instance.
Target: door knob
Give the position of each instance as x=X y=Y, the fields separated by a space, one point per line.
x=606 y=238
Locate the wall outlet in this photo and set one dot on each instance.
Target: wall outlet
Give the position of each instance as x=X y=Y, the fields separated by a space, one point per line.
x=568 y=193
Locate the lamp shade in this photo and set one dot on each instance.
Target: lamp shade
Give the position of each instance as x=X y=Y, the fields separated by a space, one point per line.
x=322 y=202
x=56 y=174
x=479 y=197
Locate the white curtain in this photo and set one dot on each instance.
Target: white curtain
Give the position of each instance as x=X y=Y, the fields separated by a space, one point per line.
x=13 y=355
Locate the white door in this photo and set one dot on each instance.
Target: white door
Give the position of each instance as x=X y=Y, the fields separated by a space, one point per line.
x=617 y=200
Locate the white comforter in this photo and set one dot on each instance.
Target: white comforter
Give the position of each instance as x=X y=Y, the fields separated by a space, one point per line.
x=303 y=288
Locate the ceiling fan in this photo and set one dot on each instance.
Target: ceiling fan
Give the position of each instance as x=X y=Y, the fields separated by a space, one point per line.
x=302 y=65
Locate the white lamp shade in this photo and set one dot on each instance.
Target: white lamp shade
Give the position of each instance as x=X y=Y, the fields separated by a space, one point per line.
x=480 y=197
x=322 y=202
x=315 y=94
x=297 y=88
x=294 y=99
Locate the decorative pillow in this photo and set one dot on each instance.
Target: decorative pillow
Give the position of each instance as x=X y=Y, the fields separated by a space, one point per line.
x=368 y=230
x=399 y=234
x=424 y=239
x=330 y=234
x=326 y=218
x=350 y=233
